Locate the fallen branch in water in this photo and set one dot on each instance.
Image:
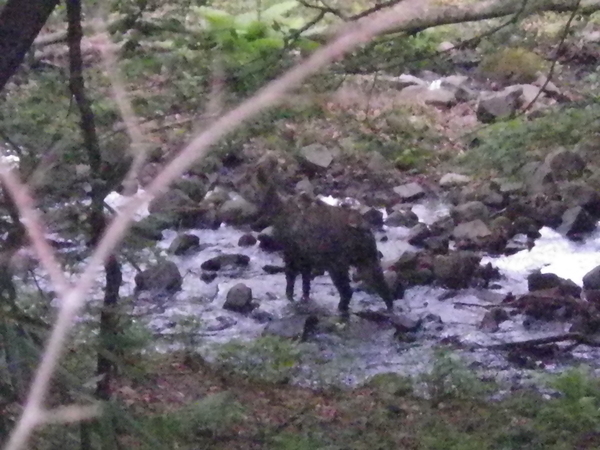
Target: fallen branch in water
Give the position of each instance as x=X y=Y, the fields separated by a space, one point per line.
x=577 y=337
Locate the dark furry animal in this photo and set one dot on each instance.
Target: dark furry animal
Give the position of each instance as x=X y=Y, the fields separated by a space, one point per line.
x=317 y=236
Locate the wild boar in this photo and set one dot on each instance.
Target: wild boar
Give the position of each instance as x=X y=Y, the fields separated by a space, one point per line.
x=317 y=236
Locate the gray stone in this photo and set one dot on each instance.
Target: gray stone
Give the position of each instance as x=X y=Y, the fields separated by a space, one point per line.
x=472 y=231
x=225 y=260
x=565 y=164
x=374 y=217
x=410 y=191
x=316 y=156
x=247 y=240
x=575 y=222
x=454 y=179
x=497 y=105
x=193 y=187
x=469 y=211
x=162 y=276
x=237 y=211
x=296 y=327
x=591 y=280
x=239 y=299
x=184 y=243
x=402 y=218
x=418 y=234
x=455 y=270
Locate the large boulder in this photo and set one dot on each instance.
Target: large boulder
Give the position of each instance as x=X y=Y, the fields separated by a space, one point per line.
x=162 y=276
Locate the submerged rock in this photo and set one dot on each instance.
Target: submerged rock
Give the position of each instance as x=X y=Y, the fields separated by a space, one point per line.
x=402 y=218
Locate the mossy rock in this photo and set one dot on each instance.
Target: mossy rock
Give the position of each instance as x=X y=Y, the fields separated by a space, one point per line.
x=512 y=65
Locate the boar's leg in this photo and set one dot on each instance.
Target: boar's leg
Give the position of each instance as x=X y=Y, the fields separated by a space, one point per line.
x=306 y=278
x=341 y=280
x=290 y=279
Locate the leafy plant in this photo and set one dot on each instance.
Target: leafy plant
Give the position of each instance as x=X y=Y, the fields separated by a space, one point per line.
x=451 y=379
x=268 y=358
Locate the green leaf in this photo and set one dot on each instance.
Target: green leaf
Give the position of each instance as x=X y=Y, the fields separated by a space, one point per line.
x=217 y=18
x=278 y=10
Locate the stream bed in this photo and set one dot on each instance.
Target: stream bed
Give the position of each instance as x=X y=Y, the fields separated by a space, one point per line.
x=362 y=349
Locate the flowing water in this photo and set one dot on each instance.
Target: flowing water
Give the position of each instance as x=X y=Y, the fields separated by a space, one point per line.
x=363 y=348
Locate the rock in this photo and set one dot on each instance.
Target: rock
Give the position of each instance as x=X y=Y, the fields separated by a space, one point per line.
x=406 y=80
x=551 y=213
x=511 y=187
x=575 y=222
x=193 y=187
x=272 y=270
x=418 y=234
x=454 y=81
x=537 y=281
x=316 y=156
x=437 y=245
x=208 y=277
x=377 y=162
x=374 y=217
x=410 y=191
x=577 y=193
x=173 y=201
x=445 y=46
x=162 y=276
x=502 y=225
x=402 y=218
x=497 y=105
x=184 y=243
x=395 y=284
x=225 y=260
x=304 y=185
x=223 y=323
x=591 y=280
x=527 y=226
x=150 y=227
x=470 y=211
x=454 y=179
x=443 y=226
x=262 y=316
x=239 y=299
x=237 y=211
x=247 y=240
x=404 y=324
x=492 y=319
x=456 y=269
x=565 y=164
x=548 y=304
x=473 y=231
x=297 y=327
x=423 y=93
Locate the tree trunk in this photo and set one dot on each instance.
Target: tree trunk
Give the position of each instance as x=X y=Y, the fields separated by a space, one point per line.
x=20 y=23
x=108 y=317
